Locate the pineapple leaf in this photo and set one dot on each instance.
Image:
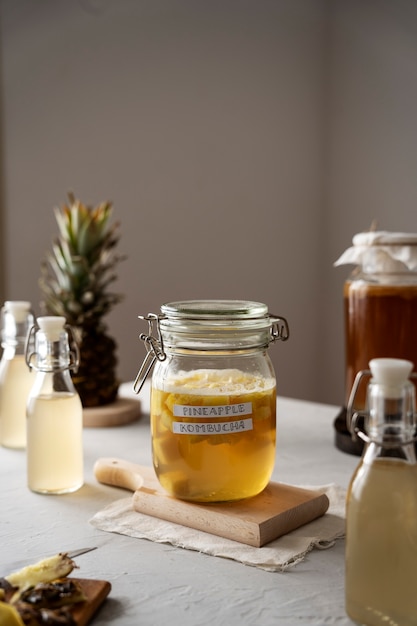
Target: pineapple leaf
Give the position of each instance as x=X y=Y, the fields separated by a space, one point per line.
x=77 y=271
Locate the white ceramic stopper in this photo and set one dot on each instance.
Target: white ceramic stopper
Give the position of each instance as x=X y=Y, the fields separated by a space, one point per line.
x=52 y=326
x=18 y=308
x=392 y=374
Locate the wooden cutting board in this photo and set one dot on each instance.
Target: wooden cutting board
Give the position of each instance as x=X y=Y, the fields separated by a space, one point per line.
x=122 y=411
x=255 y=521
x=96 y=591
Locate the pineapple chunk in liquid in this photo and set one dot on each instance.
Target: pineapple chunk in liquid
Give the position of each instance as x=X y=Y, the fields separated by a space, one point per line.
x=226 y=466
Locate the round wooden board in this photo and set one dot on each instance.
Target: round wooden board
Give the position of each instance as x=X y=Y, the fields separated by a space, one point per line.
x=123 y=411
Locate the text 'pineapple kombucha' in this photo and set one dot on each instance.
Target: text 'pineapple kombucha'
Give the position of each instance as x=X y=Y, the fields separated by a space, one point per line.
x=213 y=434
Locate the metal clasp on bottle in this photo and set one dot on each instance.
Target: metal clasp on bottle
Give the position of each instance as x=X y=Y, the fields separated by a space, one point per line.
x=74 y=353
x=355 y=420
x=154 y=349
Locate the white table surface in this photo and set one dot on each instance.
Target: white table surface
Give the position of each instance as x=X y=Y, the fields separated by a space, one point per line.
x=158 y=584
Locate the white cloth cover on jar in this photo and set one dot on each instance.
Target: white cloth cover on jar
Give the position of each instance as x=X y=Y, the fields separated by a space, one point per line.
x=382 y=251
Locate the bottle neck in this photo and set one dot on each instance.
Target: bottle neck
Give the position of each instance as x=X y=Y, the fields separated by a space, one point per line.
x=10 y=351
x=51 y=356
x=48 y=383
x=391 y=422
x=13 y=348
x=390 y=450
x=15 y=332
x=391 y=415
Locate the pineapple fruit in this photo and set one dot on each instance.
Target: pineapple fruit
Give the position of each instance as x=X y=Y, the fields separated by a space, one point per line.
x=75 y=279
x=41 y=593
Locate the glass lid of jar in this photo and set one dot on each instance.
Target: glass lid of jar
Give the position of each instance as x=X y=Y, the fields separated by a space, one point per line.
x=208 y=325
x=215 y=309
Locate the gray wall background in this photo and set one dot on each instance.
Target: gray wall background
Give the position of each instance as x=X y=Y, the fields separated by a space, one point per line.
x=242 y=142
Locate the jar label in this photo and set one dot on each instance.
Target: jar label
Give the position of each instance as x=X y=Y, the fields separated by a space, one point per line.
x=221 y=410
x=212 y=428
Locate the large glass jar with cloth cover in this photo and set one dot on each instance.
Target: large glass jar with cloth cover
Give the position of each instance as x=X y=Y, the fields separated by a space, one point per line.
x=380 y=303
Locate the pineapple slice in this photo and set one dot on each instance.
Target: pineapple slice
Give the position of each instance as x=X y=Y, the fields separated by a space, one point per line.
x=9 y=616
x=44 y=571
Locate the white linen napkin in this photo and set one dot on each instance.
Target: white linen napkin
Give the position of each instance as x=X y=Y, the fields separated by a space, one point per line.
x=278 y=555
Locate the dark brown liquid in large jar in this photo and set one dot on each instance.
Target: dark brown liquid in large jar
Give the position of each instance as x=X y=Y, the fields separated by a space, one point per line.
x=380 y=321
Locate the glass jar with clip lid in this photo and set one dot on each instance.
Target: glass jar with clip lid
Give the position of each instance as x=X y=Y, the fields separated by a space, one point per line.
x=213 y=397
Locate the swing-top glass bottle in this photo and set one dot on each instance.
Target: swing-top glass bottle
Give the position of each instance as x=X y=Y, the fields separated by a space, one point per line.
x=381 y=529
x=15 y=378
x=54 y=412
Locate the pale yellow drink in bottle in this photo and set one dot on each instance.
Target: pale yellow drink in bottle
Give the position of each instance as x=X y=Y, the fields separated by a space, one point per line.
x=382 y=544
x=16 y=379
x=54 y=414
x=15 y=384
x=54 y=458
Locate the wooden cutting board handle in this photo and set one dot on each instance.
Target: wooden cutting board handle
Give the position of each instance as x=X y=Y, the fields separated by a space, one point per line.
x=279 y=509
x=120 y=473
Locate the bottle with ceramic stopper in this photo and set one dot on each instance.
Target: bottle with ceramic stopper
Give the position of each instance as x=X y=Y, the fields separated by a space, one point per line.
x=54 y=411
x=15 y=378
x=381 y=514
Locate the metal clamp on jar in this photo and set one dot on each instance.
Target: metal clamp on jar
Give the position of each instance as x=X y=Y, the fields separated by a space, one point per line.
x=213 y=397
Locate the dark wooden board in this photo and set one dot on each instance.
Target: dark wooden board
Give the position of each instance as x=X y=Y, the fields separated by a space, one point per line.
x=96 y=592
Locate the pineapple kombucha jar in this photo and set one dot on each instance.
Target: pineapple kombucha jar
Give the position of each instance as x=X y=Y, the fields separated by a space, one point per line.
x=54 y=413
x=213 y=397
x=15 y=378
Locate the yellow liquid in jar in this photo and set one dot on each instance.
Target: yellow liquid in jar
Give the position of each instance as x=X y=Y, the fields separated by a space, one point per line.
x=230 y=452
x=381 y=544
x=54 y=444
x=16 y=382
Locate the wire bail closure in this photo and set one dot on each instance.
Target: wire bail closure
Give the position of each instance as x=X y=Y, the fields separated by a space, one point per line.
x=74 y=354
x=353 y=416
x=154 y=348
